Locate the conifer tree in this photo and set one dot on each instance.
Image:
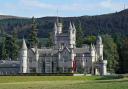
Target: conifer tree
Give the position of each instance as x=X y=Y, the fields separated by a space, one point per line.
x=14 y=44
x=33 y=34
x=79 y=36
x=3 y=52
x=49 y=43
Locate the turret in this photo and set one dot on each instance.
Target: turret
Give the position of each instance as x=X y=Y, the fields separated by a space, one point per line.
x=70 y=29
x=99 y=47
x=93 y=58
x=92 y=52
x=24 y=64
x=72 y=35
x=59 y=27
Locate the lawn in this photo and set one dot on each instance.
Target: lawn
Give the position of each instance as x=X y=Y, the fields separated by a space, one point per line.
x=62 y=82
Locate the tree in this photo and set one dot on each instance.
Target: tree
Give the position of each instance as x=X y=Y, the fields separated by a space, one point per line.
x=3 y=52
x=90 y=39
x=121 y=44
x=14 y=52
x=124 y=56
x=6 y=47
x=79 y=36
x=9 y=46
x=110 y=53
x=49 y=42
x=33 y=41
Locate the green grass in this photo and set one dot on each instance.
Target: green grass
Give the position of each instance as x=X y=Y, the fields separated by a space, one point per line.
x=5 y=79
x=61 y=82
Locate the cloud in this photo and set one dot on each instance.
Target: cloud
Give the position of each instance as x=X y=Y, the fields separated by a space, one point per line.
x=75 y=6
x=36 y=4
x=66 y=8
x=109 y=4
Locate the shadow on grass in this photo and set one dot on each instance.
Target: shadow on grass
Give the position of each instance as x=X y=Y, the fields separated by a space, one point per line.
x=110 y=77
x=112 y=81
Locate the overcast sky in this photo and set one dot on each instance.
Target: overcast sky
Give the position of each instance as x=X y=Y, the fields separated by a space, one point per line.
x=41 y=8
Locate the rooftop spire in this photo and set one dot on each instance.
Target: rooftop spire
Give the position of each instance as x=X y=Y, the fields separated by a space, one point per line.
x=70 y=26
x=24 y=46
x=74 y=27
x=55 y=26
x=99 y=39
x=92 y=47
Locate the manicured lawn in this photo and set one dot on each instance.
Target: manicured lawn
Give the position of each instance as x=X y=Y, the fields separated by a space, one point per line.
x=61 y=82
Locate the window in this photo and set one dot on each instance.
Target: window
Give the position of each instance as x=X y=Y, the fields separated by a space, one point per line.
x=33 y=70
x=62 y=45
x=86 y=60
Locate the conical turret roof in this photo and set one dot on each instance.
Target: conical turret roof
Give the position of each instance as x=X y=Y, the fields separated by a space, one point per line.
x=99 y=39
x=74 y=27
x=55 y=26
x=70 y=26
x=24 y=46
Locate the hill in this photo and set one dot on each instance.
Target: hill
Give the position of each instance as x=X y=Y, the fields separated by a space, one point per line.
x=113 y=23
x=10 y=17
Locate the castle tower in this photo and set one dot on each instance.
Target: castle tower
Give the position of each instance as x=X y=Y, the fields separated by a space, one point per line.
x=24 y=64
x=72 y=35
x=57 y=32
x=99 y=47
x=93 y=58
x=59 y=27
x=92 y=52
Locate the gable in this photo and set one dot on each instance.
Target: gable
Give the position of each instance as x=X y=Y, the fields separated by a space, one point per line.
x=65 y=55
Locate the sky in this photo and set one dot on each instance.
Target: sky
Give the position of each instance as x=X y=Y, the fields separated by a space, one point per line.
x=65 y=8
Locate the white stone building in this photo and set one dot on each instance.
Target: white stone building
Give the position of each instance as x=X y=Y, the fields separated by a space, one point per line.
x=64 y=56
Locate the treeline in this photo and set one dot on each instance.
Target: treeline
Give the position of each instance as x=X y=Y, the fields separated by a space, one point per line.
x=91 y=25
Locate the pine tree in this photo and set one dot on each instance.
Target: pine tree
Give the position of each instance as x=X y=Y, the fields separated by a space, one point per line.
x=14 y=44
x=8 y=46
x=33 y=34
x=124 y=56
x=79 y=36
x=49 y=43
x=3 y=52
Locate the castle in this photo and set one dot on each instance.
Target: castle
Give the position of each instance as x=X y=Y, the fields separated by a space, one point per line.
x=64 y=56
